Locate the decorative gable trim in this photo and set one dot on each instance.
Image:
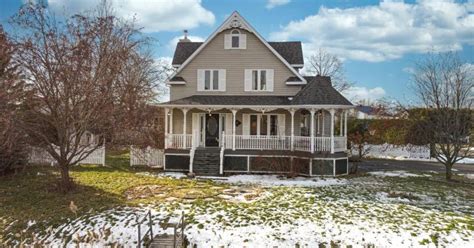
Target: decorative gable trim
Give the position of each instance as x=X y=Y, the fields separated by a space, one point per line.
x=235 y=20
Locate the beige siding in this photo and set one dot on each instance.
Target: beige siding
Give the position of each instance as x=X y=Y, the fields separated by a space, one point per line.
x=234 y=61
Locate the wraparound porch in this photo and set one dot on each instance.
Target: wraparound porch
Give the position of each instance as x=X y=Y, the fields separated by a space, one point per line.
x=311 y=129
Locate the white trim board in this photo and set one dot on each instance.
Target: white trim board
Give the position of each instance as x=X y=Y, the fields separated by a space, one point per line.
x=235 y=20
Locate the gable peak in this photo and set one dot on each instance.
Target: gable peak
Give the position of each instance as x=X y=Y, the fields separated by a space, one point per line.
x=235 y=20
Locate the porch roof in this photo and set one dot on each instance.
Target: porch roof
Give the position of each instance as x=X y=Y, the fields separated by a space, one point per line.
x=231 y=100
x=318 y=91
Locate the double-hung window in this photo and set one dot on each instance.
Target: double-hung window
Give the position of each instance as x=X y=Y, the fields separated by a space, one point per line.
x=211 y=80
x=263 y=124
x=259 y=80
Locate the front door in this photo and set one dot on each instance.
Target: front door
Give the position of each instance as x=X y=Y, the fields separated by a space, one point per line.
x=212 y=130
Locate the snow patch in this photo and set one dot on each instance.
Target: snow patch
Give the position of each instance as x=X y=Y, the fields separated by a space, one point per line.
x=399 y=173
x=274 y=180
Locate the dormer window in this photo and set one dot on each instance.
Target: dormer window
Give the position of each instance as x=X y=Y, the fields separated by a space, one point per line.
x=235 y=34
x=235 y=40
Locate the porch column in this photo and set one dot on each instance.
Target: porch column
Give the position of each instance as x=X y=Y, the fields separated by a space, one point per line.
x=345 y=129
x=341 y=126
x=312 y=130
x=332 y=111
x=345 y=123
x=185 y=111
x=234 y=119
x=171 y=121
x=166 y=127
x=292 y=112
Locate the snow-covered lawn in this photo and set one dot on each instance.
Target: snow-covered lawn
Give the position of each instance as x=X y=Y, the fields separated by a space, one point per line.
x=386 y=209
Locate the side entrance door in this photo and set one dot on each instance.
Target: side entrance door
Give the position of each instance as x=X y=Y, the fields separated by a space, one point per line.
x=212 y=130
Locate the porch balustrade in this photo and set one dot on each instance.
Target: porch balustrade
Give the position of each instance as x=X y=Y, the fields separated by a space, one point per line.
x=179 y=141
x=230 y=140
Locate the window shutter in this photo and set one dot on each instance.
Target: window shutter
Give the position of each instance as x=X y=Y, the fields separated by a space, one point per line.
x=269 y=79
x=228 y=123
x=222 y=79
x=281 y=124
x=245 y=124
x=248 y=80
x=200 y=80
x=227 y=41
x=243 y=41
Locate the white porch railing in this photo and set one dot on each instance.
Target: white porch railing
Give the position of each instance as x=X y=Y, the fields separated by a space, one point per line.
x=322 y=144
x=340 y=144
x=255 y=142
x=179 y=141
x=302 y=143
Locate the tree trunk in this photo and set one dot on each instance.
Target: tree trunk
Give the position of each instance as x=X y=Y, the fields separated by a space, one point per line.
x=66 y=182
x=449 y=172
x=360 y=151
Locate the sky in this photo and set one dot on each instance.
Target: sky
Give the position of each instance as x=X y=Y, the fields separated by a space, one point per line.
x=379 y=41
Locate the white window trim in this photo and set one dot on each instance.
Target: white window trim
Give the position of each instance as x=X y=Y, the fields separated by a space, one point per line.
x=211 y=80
x=259 y=74
x=259 y=124
x=235 y=35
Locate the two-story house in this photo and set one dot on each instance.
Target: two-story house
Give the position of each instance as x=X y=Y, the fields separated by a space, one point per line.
x=238 y=104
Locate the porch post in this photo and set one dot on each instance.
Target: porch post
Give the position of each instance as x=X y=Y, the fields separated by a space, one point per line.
x=345 y=127
x=234 y=118
x=332 y=111
x=185 y=111
x=292 y=112
x=312 y=130
x=171 y=120
x=166 y=127
x=341 y=126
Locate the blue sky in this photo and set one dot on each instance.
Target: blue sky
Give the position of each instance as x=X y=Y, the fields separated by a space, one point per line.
x=378 y=40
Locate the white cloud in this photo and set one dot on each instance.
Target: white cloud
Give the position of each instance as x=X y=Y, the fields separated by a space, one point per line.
x=385 y=31
x=172 y=43
x=274 y=3
x=357 y=94
x=153 y=16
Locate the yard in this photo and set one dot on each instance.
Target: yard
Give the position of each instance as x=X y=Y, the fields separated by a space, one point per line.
x=385 y=209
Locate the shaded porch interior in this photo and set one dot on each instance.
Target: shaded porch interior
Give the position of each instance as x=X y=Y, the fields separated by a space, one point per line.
x=304 y=129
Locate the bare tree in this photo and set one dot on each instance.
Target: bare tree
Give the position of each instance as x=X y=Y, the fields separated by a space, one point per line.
x=324 y=63
x=13 y=149
x=445 y=85
x=77 y=69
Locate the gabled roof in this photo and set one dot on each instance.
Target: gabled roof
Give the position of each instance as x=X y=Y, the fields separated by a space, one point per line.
x=291 y=51
x=319 y=91
x=235 y=20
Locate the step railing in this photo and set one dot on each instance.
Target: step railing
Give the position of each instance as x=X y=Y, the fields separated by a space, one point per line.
x=149 y=230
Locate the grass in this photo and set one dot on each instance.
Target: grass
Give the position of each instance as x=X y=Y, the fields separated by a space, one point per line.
x=414 y=204
x=30 y=194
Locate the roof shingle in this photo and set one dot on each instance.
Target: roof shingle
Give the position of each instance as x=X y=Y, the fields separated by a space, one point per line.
x=291 y=51
x=318 y=91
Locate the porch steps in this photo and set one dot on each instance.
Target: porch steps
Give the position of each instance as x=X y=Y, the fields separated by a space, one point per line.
x=206 y=161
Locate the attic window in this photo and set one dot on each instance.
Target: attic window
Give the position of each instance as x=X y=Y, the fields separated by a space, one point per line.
x=235 y=40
